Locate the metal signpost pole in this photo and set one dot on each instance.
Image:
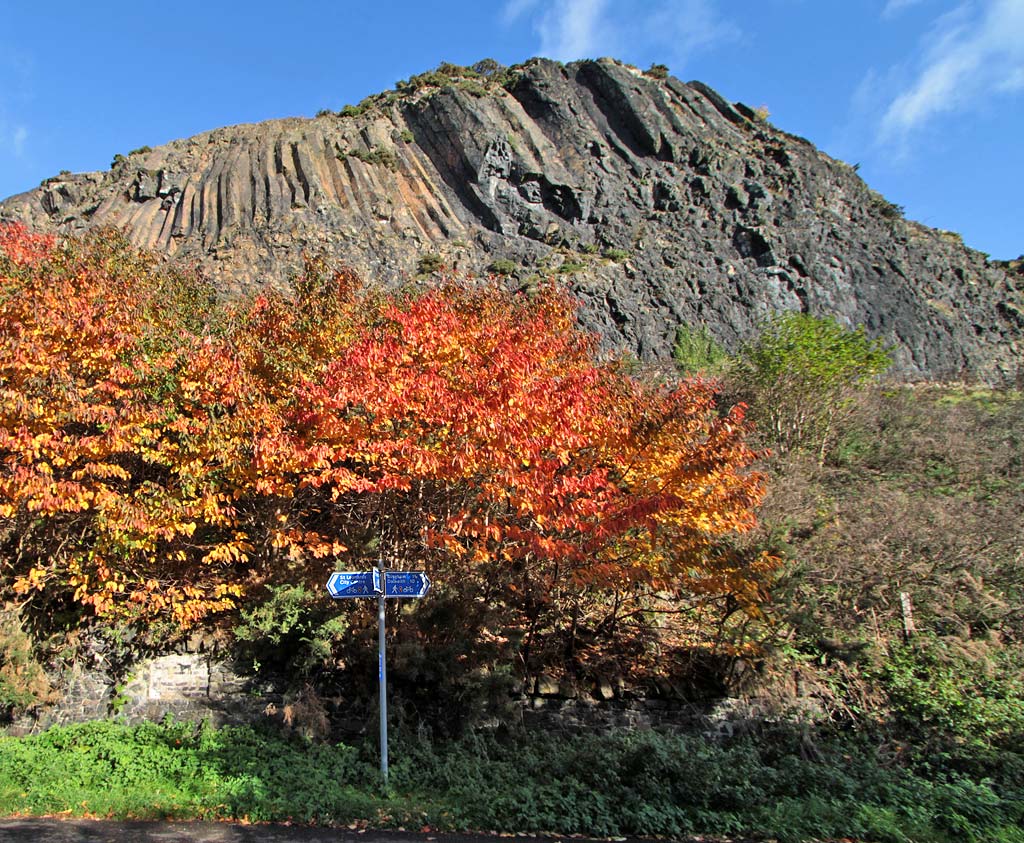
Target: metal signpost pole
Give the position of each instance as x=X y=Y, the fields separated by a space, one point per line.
x=382 y=585
x=383 y=674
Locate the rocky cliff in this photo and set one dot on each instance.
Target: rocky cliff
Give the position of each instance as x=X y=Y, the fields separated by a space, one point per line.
x=658 y=202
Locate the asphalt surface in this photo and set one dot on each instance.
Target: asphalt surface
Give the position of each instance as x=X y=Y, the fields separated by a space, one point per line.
x=49 y=830
x=33 y=830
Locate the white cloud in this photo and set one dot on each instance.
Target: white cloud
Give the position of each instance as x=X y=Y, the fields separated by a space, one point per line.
x=572 y=29
x=894 y=7
x=515 y=9
x=686 y=26
x=971 y=53
x=18 y=140
x=672 y=30
x=1013 y=82
x=15 y=94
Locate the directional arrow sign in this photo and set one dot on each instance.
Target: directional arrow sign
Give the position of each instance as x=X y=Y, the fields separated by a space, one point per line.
x=351 y=584
x=368 y=583
x=405 y=584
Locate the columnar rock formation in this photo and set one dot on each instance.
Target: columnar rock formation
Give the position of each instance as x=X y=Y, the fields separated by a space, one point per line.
x=658 y=202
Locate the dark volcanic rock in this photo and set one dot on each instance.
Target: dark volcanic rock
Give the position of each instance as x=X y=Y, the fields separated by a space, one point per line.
x=659 y=202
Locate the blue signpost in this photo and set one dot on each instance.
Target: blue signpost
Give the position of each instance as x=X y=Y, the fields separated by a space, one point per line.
x=379 y=584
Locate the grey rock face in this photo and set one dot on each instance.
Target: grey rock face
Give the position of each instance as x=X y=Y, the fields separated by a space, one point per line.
x=659 y=203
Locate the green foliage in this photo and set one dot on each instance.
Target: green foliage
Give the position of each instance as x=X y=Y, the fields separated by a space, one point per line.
x=939 y=691
x=471 y=86
x=885 y=208
x=174 y=771
x=502 y=266
x=570 y=267
x=800 y=375
x=657 y=71
x=379 y=155
x=637 y=784
x=488 y=68
x=142 y=150
x=617 y=255
x=429 y=263
x=407 y=136
x=292 y=628
x=477 y=80
x=23 y=682
x=354 y=110
x=444 y=74
x=696 y=351
x=923 y=493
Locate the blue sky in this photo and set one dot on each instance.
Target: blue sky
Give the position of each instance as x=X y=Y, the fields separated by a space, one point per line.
x=927 y=96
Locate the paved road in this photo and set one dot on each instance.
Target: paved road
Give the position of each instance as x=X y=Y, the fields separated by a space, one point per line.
x=105 y=831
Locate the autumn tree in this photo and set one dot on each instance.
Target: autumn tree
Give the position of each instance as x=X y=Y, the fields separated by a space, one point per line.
x=97 y=505
x=156 y=462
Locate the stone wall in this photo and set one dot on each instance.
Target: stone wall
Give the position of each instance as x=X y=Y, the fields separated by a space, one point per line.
x=197 y=686
x=186 y=686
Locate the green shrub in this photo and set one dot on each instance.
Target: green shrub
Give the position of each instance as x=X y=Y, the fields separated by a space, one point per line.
x=354 y=110
x=488 y=68
x=502 y=266
x=472 y=87
x=617 y=255
x=636 y=784
x=799 y=377
x=888 y=210
x=696 y=351
x=23 y=681
x=293 y=628
x=379 y=155
x=429 y=263
x=939 y=692
x=657 y=71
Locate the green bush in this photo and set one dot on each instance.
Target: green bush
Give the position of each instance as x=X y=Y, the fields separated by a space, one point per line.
x=640 y=783
x=378 y=155
x=502 y=266
x=23 y=682
x=429 y=263
x=696 y=351
x=939 y=692
x=292 y=628
x=800 y=375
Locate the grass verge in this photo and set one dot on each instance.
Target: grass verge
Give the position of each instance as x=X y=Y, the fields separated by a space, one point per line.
x=629 y=784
